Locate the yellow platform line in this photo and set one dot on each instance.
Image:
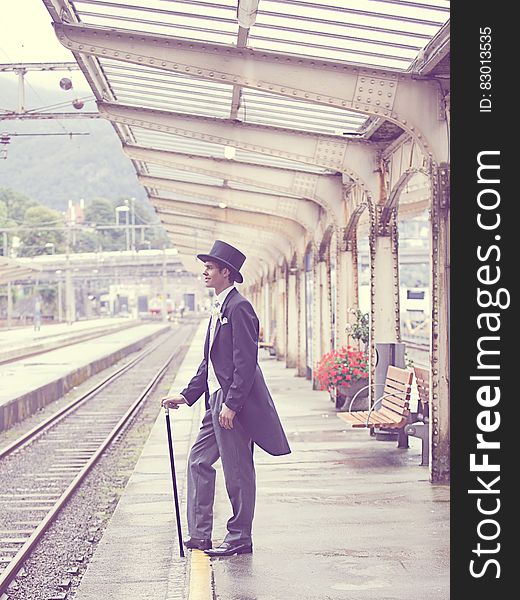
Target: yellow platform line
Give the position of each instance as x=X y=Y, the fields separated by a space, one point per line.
x=200 y=576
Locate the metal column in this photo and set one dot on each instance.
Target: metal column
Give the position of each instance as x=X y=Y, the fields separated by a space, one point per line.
x=348 y=296
x=440 y=360
x=291 y=359
x=280 y=312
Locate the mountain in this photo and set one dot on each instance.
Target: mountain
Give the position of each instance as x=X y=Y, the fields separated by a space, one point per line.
x=56 y=169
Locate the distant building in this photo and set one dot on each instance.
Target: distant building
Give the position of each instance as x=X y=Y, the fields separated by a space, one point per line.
x=75 y=213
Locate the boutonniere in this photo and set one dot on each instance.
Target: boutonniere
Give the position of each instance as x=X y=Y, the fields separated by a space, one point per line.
x=216 y=312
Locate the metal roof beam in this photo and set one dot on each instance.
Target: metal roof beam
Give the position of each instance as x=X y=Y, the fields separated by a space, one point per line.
x=189 y=248
x=287 y=228
x=195 y=222
x=394 y=95
x=192 y=220
x=327 y=190
x=304 y=212
x=325 y=151
x=254 y=252
x=266 y=244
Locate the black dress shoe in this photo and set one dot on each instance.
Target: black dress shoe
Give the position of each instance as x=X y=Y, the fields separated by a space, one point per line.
x=228 y=549
x=196 y=544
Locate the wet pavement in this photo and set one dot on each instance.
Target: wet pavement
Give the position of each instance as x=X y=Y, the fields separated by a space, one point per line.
x=344 y=517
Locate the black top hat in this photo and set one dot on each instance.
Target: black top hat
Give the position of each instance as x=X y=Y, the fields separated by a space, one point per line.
x=228 y=255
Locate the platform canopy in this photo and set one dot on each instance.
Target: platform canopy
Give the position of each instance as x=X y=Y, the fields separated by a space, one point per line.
x=215 y=97
x=12 y=270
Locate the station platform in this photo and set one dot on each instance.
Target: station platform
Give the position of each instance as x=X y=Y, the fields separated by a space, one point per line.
x=33 y=382
x=342 y=517
x=22 y=340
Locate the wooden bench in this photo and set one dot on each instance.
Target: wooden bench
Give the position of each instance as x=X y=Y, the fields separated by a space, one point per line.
x=420 y=428
x=271 y=346
x=391 y=410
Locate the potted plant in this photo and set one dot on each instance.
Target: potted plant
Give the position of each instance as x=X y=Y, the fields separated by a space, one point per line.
x=343 y=373
x=360 y=329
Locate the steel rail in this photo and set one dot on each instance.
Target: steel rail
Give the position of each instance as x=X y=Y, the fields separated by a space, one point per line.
x=10 y=572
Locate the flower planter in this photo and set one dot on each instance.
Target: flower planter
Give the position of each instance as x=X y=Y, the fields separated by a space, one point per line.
x=344 y=395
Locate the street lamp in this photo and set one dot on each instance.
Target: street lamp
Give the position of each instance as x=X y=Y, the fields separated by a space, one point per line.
x=124 y=208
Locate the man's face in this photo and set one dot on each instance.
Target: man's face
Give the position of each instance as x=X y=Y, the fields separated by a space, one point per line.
x=213 y=278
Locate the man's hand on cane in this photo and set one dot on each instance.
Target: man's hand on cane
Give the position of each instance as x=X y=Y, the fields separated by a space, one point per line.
x=173 y=401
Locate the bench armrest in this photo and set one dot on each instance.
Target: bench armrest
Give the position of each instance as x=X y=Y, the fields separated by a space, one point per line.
x=359 y=392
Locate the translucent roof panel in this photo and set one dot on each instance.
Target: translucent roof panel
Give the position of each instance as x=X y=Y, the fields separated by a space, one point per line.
x=213 y=21
x=270 y=109
x=385 y=33
x=153 y=88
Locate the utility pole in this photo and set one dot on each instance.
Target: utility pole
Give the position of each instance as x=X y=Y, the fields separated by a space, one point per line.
x=60 y=300
x=132 y=208
x=21 y=89
x=9 y=304
x=164 y=312
x=69 y=289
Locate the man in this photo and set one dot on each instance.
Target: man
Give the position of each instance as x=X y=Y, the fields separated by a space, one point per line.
x=239 y=410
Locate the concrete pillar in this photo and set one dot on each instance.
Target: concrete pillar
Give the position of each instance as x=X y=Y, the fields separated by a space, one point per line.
x=440 y=334
x=70 y=297
x=9 y=304
x=60 y=301
x=293 y=307
x=87 y=302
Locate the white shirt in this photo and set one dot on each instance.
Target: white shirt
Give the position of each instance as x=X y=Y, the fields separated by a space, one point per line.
x=213 y=384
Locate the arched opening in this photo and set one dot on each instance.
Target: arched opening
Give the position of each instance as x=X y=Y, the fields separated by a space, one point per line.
x=414 y=229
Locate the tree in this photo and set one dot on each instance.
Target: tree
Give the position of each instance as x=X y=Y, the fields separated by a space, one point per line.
x=99 y=212
x=16 y=204
x=37 y=241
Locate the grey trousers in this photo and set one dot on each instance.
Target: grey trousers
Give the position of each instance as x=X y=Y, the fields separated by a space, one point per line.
x=235 y=449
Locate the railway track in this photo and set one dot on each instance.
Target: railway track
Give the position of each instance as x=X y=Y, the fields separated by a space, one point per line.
x=47 y=465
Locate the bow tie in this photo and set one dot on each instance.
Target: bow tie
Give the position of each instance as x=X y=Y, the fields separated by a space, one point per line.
x=215 y=308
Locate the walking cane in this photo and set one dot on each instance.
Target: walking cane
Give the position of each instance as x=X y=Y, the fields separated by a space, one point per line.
x=174 y=480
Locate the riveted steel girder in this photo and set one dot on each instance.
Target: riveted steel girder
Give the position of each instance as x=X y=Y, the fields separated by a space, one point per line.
x=327 y=151
x=305 y=212
x=285 y=228
x=326 y=190
x=394 y=95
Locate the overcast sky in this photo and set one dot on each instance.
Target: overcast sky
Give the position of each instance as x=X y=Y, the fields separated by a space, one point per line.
x=27 y=36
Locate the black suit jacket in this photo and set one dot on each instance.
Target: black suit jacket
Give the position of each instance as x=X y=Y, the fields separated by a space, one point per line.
x=234 y=355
